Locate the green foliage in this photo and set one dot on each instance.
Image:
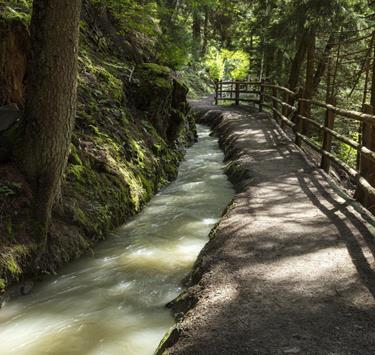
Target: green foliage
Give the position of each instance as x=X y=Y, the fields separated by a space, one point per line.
x=15 y=10
x=215 y=64
x=227 y=64
x=237 y=64
x=9 y=189
x=197 y=79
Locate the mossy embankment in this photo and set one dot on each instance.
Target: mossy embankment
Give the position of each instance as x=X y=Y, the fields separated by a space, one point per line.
x=132 y=127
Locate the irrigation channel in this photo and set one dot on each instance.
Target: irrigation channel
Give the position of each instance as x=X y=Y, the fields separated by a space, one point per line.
x=114 y=302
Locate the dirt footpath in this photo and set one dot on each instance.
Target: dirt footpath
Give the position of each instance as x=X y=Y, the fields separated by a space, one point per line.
x=290 y=267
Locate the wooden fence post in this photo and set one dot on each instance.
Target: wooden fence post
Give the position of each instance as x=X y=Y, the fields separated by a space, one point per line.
x=300 y=110
x=366 y=165
x=274 y=104
x=216 y=91
x=327 y=138
x=261 y=96
x=237 y=92
x=285 y=110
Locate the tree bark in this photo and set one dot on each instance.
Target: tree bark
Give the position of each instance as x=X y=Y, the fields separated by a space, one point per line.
x=50 y=103
x=322 y=65
x=367 y=166
x=310 y=66
x=205 y=31
x=298 y=60
x=197 y=34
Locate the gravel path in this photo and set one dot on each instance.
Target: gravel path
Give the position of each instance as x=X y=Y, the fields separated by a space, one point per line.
x=290 y=267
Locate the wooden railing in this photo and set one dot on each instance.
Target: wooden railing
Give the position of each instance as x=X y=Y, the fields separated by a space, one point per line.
x=291 y=110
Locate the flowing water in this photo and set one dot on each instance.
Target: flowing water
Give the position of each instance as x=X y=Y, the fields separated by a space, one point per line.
x=114 y=302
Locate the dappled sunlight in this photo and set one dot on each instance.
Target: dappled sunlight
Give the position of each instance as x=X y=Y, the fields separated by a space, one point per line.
x=315 y=267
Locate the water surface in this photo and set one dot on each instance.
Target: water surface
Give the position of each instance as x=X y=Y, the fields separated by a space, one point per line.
x=114 y=302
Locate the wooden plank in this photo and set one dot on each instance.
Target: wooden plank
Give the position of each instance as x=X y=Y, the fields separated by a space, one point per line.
x=216 y=91
x=281 y=102
x=327 y=140
x=366 y=161
x=337 y=135
x=237 y=92
x=242 y=82
x=283 y=118
x=261 y=97
x=352 y=173
x=275 y=101
x=241 y=92
x=281 y=88
x=359 y=116
x=299 y=122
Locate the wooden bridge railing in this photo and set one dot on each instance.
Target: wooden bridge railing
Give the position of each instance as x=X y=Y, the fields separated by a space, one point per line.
x=291 y=110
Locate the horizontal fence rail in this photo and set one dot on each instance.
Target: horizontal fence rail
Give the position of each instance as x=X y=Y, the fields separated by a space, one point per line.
x=291 y=110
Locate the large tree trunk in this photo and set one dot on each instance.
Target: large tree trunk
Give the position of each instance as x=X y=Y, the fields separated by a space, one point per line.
x=50 y=102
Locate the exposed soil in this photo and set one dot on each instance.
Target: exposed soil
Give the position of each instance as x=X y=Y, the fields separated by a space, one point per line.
x=290 y=267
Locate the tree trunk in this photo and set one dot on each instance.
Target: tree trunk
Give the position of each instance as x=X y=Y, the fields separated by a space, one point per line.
x=197 y=35
x=205 y=32
x=310 y=66
x=50 y=103
x=298 y=60
x=367 y=166
x=322 y=65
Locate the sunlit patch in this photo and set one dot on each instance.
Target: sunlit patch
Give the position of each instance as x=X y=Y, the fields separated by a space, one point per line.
x=209 y=221
x=317 y=267
x=176 y=255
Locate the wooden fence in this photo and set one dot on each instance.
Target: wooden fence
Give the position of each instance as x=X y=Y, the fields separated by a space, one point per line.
x=290 y=109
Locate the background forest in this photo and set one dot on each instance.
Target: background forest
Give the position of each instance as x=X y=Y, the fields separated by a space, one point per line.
x=136 y=62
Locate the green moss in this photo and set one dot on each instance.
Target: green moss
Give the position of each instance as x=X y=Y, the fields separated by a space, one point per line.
x=106 y=83
x=76 y=171
x=163 y=83
x=16 y=12
x=2 y=285
x=74 y=156
x=157 y=69
x=11 y=264
x=168 y=340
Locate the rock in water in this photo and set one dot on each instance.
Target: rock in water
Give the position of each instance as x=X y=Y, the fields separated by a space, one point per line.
x=9 y=115
x=26 y=288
